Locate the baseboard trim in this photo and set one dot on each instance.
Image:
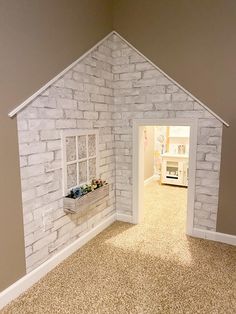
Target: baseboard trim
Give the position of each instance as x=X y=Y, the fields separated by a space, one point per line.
x=151 y=179
x=31 y=278
x=124 y=218
x=214 y=236
x=28 y=280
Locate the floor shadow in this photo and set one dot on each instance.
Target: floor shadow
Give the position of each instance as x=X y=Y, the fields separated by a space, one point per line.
x=102 y=278
x=149 y=268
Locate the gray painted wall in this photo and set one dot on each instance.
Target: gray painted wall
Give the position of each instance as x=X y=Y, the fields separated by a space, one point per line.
x=193 y=42
x=38 y=40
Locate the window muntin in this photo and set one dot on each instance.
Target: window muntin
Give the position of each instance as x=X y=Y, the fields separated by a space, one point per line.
x=80 y=158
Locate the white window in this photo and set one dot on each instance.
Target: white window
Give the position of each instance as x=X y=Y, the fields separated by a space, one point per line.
x=80 y=158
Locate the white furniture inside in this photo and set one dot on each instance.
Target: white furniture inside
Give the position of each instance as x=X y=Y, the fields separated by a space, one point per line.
x=174 y=169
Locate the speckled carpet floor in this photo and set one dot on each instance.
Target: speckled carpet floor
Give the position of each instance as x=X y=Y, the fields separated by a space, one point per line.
x=150 y=268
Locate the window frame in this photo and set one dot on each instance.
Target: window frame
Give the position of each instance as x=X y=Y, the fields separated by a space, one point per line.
x=65 y=163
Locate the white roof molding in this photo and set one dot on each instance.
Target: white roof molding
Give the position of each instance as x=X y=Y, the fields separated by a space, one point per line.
x=43 y=88
x=173 y=81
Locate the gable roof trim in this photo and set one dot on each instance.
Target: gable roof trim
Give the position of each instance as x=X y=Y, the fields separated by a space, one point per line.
x=173 y=81
x=43 y=88
x=12 y=113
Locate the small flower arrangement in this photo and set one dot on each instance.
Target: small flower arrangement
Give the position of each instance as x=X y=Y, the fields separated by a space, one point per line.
x=86 y=188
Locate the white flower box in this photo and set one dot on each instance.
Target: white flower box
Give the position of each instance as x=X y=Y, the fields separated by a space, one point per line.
x=71 y=205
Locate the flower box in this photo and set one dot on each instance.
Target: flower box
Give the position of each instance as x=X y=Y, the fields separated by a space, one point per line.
x=71 y=205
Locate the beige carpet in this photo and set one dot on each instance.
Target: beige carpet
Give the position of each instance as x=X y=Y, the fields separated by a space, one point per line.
x=148 y=268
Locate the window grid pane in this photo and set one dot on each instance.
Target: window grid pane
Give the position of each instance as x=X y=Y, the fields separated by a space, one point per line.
x=82 y=146
x=91 y=145
x=92 y=168
x=71 y=148
x=71 y=175
x=81 y=159
x=83 y=172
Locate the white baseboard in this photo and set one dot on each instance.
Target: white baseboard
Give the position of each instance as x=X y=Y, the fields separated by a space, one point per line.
x=124 y=218
x=151 y=179
x=214 y=236
x=31 y=278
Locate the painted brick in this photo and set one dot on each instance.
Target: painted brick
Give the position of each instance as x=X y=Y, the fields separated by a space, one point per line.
x=22 y=125
x=60 y=92
x=84 y=124
x=66 y=228
x=32 y=148
x=209 y=199
x=41 y=124
x=159 y=98
x=31 y=171
x=206 y=222
x=207 y=190
x=97 y=98
x=127 y=68
x=52 y=166
x=212 y=157
x=203 y=165
x=40 y=158
x=130 y=76
x=23 y=161
x=28 y=195
x=151 y=73
x=44 y=241
x=50 y=113
x=115 y=93
x=81 y=96
x=74 y=85
x=38 y=256
x=101 y=107
x=53 y=145
x=209 y=123
x=28 y=136
x=31 y=113
x=210 y=207
x=90 y=115
x=135 y=57
x=50 y=135
x=144 y=66
x=44 y=102
x=211 y=131
x=180 y=97
x=143 y=82
x=66 y=124
x=206 y=148
x=85 y=106
x=90 y=88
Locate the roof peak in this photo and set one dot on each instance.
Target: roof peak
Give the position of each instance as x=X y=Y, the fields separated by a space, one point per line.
x=43 y=88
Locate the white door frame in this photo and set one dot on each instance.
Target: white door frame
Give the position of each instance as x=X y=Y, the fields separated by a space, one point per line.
x=138 y=162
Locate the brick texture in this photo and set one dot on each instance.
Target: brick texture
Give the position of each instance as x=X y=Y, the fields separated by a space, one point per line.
x=107 y=90
x=149 y=94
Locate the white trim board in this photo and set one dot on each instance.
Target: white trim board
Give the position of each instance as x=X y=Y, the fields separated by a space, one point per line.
x=28 y=280
x=214 y=236
x=172 y=80
x=124 y=217
x=31 y=278
x=138 y=162
x=43 y=88
x=53 y=80
x=151 y=179
x=76 y=133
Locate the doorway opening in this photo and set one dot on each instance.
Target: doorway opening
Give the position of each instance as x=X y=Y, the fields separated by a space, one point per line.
x=164 y=166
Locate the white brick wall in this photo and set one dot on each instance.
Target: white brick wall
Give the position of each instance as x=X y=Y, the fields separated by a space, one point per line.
x=77 y=100
x=107 y=90
x=141 y=91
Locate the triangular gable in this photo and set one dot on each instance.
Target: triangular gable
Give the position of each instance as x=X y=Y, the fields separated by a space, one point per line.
x=42 y=89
